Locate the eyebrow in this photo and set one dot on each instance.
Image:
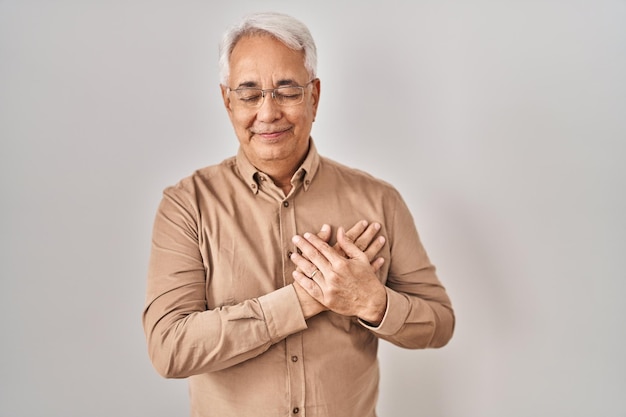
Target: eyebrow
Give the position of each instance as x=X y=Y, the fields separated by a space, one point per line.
x=279 y=83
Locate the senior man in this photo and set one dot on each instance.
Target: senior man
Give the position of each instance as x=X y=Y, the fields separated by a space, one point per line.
x=264 y=316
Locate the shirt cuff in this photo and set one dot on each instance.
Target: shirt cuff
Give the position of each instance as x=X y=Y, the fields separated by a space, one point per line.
x=396 y=313
x=283 y=314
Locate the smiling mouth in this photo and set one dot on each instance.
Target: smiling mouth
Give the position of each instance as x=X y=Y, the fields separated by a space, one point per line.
x=271 y=135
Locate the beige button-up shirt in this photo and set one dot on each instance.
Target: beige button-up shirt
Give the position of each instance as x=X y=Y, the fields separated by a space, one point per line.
x=221 y=308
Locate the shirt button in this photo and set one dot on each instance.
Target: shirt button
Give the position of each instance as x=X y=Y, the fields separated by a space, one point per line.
x=294 y=359
x=296 y=410
x=286 y=204
x=289 y=253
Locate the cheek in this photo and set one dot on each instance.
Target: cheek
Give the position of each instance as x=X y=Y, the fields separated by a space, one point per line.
x=301 y=120
x=242 y=121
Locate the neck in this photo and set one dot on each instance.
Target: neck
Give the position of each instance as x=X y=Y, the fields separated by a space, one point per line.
x=281 y=176
x=280 y=171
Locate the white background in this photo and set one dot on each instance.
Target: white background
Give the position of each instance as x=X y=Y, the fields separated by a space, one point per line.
x=502 y=123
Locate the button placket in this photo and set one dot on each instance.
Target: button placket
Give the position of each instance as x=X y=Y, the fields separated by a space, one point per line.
x=293 y=343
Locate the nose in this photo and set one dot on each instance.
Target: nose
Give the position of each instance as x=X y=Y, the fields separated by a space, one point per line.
x=269 y=110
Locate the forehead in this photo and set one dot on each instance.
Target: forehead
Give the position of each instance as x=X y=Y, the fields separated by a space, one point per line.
x=262 y=59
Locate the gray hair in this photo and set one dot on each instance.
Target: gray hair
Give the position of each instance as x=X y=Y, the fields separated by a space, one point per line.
x=284 y=28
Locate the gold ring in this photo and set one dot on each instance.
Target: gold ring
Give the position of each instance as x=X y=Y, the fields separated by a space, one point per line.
x=313 y=274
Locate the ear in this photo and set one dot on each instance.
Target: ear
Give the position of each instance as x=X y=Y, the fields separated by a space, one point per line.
x=226 y=98
x=315 y=94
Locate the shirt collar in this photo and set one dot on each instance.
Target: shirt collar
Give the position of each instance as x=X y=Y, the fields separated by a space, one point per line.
x=304 y=173
x=309 y=167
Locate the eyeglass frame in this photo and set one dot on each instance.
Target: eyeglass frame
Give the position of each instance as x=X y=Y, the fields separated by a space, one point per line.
x=273 y=95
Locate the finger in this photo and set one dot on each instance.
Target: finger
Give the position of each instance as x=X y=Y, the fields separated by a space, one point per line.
x=377 y=264
x=309 y=285
x=351 y=250
x=366 y=238
x=311 y=252
x=325 y=255
x=324 y=233
x=374 y=248
x=303 y=265
x=354 y=233
x=357 y=230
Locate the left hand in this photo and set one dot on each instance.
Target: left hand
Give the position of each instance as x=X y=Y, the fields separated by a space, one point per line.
x=348 y=284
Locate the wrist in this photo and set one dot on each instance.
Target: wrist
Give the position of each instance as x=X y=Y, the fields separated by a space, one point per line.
x=310 y=306
x=375 y=311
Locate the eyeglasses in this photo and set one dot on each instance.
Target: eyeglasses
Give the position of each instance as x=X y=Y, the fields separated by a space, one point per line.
x=253 y=98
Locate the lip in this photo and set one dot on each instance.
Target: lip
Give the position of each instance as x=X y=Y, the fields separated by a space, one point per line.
x=271 y=136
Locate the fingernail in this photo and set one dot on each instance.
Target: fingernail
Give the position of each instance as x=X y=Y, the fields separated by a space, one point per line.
x=307 y=235
x=295 y=239
x=325 y=228
x=377 y=226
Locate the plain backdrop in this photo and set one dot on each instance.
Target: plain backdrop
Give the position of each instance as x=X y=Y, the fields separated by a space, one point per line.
x=502 y=123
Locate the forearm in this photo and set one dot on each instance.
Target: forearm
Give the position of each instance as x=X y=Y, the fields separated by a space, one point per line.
x=189 y=330
x=183 y=343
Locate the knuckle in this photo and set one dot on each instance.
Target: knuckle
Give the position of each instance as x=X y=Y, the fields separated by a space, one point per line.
x=332 y=276
x=331 y=294
x=341 y=266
